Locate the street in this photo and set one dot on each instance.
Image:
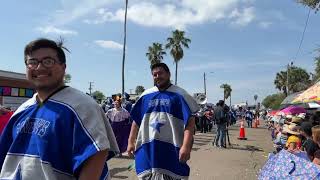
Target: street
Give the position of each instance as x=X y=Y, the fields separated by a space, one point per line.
x=242 y=160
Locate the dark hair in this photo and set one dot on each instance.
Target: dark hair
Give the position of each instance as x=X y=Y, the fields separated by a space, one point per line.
x=46 y=43
x=163 y=65
x=220 y=103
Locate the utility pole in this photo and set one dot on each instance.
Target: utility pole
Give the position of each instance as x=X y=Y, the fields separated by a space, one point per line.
x=288 y=68
x=204 y=83
x=90 y=87
x=124 y=46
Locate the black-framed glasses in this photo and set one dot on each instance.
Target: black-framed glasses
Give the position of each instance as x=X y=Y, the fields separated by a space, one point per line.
x=47 y=62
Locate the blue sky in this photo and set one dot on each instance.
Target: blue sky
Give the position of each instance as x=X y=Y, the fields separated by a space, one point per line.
x=244 y=42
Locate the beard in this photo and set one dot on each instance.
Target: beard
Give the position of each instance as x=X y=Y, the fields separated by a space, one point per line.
x=49 y=85
x=163 y=84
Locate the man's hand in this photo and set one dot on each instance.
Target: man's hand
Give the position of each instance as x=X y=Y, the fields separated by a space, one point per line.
x=184 y=154
x=132 y=139
x=130 y=149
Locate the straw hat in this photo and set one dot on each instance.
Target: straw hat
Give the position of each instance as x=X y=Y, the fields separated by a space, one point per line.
x=289 y=116
x=296 y=119
x=291 y=129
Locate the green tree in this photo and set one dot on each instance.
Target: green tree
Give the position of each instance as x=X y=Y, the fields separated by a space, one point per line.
x=299 y=80
x=155 y=53
x=98 y=96
x=273 y=101
x=281 y=82
x=175 y=44
x=67 y=78
x=313 y=4
x=139 y=90
x=316 y=75
x=226 y=91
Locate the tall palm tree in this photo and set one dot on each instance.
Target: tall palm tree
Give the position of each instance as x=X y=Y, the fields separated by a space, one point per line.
x=175 y=44
x=226 y=91
x=124 y=44
x=155 y=53
x=281 y=82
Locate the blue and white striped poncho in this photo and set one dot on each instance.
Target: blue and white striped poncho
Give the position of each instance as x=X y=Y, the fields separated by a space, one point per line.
x=52 y=140
x=162 y=117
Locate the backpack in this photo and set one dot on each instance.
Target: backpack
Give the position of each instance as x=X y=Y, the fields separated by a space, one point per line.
x=219 y=116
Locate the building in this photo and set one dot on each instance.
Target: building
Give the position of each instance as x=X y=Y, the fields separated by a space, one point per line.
x=14 y=89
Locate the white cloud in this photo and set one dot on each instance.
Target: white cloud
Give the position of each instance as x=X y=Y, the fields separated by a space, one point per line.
x=108 y=44
x=75 y=9
x=179 y=14
x=55 y=30
x=229 y=65
x=242 y=18
x=265 y=24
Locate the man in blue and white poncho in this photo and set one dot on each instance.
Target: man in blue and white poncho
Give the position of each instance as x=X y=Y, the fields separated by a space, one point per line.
x=162 y=132
x=60 y=133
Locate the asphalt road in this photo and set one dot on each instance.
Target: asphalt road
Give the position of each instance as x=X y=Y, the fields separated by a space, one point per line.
x=242 y=160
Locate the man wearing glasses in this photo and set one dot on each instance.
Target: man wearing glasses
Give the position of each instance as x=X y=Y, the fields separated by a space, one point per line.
x=60 y=133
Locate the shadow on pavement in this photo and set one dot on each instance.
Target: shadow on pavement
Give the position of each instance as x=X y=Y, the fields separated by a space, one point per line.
x=115 y=171
x=246 y=148
x=124 y=157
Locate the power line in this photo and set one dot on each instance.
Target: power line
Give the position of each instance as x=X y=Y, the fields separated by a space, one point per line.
x=304 y=31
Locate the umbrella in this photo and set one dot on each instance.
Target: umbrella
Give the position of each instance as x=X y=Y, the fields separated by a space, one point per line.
x=274 y=112
x=285 y=165
x=309 y=95
x=293 y=110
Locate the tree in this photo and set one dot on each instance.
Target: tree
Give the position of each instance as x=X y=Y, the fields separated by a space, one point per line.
x=67 y=78
x=175 y=44
x=316 y=75
x=226 y=91
x=255 y=97
x=124 y=44
x=313 y=4
x=273 y=101
x=155 y=53
x=139 y=90
x=98 y=96
x=299 y=80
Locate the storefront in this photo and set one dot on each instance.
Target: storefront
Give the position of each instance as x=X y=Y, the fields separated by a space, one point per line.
x=14 y=89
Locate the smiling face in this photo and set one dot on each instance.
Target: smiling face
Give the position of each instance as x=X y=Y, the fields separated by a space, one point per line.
x=43 y=78
x=161 y=77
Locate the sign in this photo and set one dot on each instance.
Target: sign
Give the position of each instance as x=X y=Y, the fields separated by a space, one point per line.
x=13 y=102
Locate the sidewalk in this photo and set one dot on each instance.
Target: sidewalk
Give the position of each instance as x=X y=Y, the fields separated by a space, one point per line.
x=242 y=160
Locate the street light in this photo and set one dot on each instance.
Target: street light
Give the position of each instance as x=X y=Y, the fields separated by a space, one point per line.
x=204 y=82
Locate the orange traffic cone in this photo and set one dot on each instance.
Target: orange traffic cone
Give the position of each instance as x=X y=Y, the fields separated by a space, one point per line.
x=254 y=124
x=242 y=135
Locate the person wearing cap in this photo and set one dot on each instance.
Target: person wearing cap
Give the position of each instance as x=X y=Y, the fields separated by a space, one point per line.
x=308 y=144
x=291 y=132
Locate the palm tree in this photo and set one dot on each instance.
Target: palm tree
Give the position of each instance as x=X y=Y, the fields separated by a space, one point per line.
x=139 y=90
x=155 y=53
x=124 y=44
x=226 y=91
x=175 y=44
x=281 y=82
x=255 y=97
